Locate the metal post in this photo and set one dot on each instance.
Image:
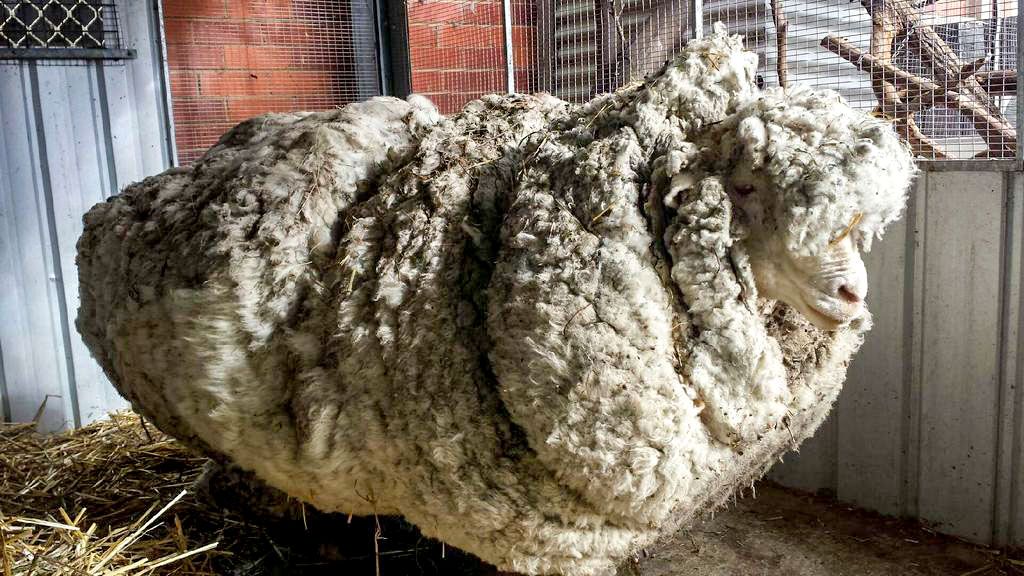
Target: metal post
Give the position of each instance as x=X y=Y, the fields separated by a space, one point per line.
x=696 y=18
x=165 y=84
x=395 y=74
x=510 y=65
x=1020 y=78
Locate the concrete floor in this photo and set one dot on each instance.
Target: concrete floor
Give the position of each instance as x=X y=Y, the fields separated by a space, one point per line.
x=791 y=533
x=778 y=533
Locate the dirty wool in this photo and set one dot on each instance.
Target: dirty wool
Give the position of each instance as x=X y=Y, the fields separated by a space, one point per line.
x=530 y=328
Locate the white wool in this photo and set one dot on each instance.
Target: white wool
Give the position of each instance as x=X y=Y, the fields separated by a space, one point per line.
x=531 y=328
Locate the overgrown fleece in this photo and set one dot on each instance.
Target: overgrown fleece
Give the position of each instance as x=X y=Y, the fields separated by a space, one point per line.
x=530 y=328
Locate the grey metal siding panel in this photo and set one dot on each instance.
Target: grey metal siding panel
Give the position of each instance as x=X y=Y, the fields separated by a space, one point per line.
x=71 y=134
x=1005 y=507
x=813 y=466
x=930 y=422
x=79 y=176
x=869 y=412
x=30 y=334
x=147 y=89
x=959 y=365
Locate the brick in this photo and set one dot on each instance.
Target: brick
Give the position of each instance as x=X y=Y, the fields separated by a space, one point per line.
x=480 y=59
x=201 y=110
x=276 y=83
x=239 y=109
x=194 y=57
x=449 y=12
x=483 y=13
x=460 y=36
x=430 y=81
x=291 y=34
x=219 y=32
x=426 y=12
x=267 y=9
x=425 y=57
x=194 y=8
x=260 y=57
x=481 y=81
x=184 y=84
x=524 y=13
x=178 y=31
x=423 y=36
x=525 y=81
x=523 y=47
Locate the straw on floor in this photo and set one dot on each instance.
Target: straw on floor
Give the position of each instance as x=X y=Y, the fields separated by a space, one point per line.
x=117 y=498
x=108 y=499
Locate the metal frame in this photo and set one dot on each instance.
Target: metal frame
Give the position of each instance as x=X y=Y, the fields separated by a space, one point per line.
x=165 y=80
x=1020 y=76
x=393 y=48
x=510 y=72
x=995 y=165
x=67 y=54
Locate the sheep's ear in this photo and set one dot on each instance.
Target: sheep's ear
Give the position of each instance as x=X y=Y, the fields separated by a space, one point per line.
x=753 y=137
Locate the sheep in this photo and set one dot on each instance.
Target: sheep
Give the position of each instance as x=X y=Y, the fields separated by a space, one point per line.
x=543 y=333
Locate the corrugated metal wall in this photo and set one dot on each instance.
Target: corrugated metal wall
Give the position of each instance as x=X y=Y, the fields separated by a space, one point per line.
x=71 y=134
x=930 y=423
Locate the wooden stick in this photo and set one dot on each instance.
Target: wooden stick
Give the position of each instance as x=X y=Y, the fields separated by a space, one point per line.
x=919 y=99
x=993 y=129
x=902 y=18
x=883 y=35
x=998 y=82
x=781 y=41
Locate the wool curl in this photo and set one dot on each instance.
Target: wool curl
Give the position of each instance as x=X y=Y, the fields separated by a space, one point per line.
x=530 y=328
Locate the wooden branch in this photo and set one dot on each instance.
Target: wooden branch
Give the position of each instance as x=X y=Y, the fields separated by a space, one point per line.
x=993 y=128
x=883 y=36
x=902 y=18
x=781 y=31
x=918 y=99
x=998 y=82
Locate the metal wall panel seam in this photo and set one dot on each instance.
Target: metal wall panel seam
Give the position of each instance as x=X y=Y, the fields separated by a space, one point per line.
x=1015 y=529
x=154 y=24
x=913 y=299
x=166 y=109
x=1020 y=79
x=23 y=236
x=5 y=405
x=71 y=400
x=105 y=125
x=1009 y=320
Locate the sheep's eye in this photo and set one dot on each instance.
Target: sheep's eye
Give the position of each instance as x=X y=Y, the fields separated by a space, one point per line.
x=744 y=190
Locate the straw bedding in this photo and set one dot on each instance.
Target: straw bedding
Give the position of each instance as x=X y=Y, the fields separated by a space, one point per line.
x=118 y=497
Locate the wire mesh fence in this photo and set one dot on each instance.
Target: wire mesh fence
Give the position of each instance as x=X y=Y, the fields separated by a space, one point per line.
x=457 y=50
x=935 y=69
x=229 y=61
x=942 y=72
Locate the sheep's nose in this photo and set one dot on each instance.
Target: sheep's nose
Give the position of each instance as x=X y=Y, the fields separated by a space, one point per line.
x=849 y=294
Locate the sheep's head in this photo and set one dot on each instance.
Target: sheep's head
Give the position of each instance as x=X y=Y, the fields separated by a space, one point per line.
x=812 y=181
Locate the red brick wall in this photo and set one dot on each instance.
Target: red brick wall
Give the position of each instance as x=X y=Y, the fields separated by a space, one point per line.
x=456 y=49
x=233 y=59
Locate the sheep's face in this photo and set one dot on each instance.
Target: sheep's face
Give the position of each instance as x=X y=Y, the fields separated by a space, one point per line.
x=812 y=181
x=828 y=288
